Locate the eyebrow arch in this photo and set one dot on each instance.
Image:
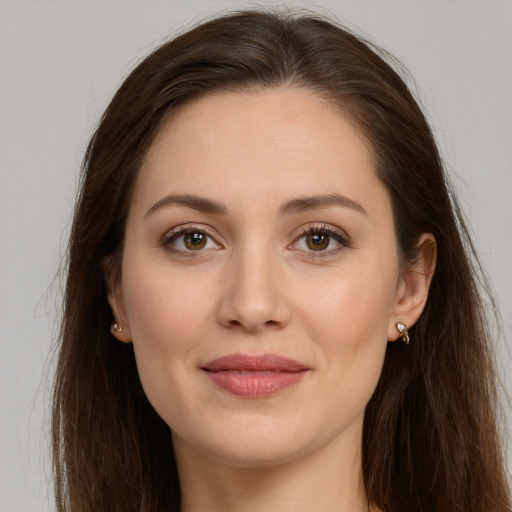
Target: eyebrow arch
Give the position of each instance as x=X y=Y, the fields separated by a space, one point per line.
x=190 y=201
x=298 y=205
x=323 y=201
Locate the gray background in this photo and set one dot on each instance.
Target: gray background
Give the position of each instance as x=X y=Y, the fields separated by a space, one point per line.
x=61 y=61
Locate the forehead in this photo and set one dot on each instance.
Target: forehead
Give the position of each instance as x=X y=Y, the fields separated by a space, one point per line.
x=244 y=145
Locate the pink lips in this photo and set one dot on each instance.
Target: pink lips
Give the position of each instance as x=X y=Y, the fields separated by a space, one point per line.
x=254 y=376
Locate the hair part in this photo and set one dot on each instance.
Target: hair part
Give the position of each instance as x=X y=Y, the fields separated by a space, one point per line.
x=430 y=438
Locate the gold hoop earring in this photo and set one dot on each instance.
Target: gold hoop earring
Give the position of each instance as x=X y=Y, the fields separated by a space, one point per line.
x=404 y=332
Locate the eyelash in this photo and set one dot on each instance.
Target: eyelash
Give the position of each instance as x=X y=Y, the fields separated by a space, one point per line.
x=340 y=237
x=176 y=233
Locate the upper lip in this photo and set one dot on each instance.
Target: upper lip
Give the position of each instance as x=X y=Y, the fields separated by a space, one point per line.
x=256 y=363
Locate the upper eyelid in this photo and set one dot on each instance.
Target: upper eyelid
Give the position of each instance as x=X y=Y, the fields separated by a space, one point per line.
x=322 y=227
x=182 y=229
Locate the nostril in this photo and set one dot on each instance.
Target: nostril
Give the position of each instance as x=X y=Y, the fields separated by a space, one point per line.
x=252 y=311
x=253 y=326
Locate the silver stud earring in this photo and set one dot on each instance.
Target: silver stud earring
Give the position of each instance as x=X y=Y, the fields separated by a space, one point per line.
x=115 y=327
x=404 y=331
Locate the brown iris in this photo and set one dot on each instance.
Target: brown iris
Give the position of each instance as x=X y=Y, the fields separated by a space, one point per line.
x=317 y=241
x=195 y=241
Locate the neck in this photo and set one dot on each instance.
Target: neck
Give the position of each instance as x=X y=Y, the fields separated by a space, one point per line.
x=327 y=480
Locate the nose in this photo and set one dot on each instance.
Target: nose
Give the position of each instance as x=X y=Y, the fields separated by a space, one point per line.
x=253 y=292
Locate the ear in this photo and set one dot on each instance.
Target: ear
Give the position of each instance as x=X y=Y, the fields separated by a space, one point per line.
x=115 y=298
x=412 y=291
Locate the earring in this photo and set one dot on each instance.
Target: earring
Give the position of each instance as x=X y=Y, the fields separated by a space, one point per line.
x=115 y=327
x=404 y=332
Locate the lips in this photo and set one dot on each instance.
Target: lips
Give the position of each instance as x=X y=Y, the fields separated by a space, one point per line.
x=254 y=376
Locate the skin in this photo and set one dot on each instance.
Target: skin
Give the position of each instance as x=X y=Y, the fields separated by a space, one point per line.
x=257 y=287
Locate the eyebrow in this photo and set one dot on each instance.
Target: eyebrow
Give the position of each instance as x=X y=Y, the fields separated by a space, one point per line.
x=322 y=201
x=301 y=204
x=194 y=202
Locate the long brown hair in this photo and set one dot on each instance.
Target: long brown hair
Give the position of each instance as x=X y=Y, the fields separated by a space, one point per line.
x=430 y=440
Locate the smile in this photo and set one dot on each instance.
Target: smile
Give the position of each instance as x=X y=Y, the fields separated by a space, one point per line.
x=254 y=376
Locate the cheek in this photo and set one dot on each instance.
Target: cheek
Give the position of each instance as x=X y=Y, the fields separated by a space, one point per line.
x=350 y=312
x=348 y=322
x=167 y=316
x=164 y=307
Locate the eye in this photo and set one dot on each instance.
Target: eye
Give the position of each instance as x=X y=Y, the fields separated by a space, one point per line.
x=189 y=239
x=320 y=239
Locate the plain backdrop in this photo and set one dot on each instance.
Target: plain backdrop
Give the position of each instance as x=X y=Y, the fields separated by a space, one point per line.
x=60 y=63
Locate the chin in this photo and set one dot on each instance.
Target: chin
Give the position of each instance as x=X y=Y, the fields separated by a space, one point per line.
x=256 y=441
x=259 y=453
x=248 y=441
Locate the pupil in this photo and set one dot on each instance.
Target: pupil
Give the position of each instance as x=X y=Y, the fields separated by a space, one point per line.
x=195 y=240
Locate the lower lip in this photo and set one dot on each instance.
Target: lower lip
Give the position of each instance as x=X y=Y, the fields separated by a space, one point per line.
x=254 y=384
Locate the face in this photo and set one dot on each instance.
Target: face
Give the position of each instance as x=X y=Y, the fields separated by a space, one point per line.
x=260 y=278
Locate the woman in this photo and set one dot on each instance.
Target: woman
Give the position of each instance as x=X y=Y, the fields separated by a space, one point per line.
x=264 y=226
